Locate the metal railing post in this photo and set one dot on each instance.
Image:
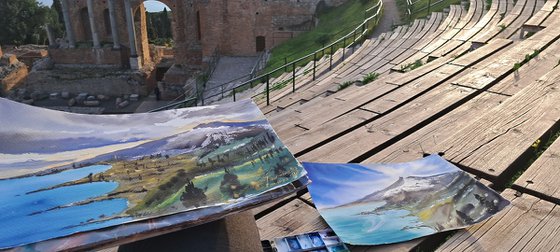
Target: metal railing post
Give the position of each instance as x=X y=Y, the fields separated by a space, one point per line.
x=330 y=60
x=314 y=64
x=285 y=64
x=429 y=5
x=344 y=49
x=222 y=91
x=267 y=89
x=233 y=94
x=294 y=77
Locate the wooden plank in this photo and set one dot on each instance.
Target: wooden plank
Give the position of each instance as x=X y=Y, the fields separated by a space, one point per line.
x=488 y=49
x=541 y=179
x=452 y=19
x=543 y=13
x=296 y=217
x=493 y=145
x=322 y=132
x=375 y=135
x=526 y=13
x=531 y=71
x=267 y=206
x=424 y=140
x=529 y=224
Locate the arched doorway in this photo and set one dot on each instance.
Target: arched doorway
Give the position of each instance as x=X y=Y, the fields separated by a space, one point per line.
x=260 y=43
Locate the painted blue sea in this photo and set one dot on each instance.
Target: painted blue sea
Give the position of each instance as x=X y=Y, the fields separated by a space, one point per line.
x=25 y=213
x=364 y=229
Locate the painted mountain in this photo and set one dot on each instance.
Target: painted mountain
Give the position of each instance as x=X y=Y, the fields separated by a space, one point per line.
x=387 y=203
x=64 y=173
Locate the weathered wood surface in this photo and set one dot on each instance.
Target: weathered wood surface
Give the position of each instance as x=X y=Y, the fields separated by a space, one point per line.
x=542 y=14
x=512 y=30
x=541 y=179
x=528 y=224
x=296 y=217
x=477 y=23
x=422 y=141
x=496 y=143
x=455 y=15
x=425 y=140
x=323 y=132
x=376 y=135
x=510 y=20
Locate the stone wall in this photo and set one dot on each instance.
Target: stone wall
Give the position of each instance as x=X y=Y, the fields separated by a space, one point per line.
x=110 y=82
x=90 y=56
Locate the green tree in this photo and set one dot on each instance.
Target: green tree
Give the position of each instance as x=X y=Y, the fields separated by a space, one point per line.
x=165 y=24
x=23 y=20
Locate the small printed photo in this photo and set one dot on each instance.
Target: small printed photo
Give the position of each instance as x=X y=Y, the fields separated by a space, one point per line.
x=338 y=248
x=305 y=242
x=316 y=240
x=293 y=243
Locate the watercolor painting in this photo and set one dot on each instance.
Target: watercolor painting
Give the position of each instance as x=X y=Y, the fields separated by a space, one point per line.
x=63 y=173
x=378 y=204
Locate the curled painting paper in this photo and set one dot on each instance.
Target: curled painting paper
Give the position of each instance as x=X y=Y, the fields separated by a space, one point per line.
x=110 y=177
x=378 y=204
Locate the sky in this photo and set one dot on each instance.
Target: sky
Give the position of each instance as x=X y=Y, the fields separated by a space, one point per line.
x=337 y=184
x=51 y=138
x=151 y=6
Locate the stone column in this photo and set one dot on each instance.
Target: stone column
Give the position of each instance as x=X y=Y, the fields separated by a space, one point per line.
x=134 y=60
x=68 y=24
x=114 y=28
x=92 y=24
x=50 y=35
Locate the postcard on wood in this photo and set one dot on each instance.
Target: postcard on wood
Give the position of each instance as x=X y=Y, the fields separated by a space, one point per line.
x=63 y=173
x=373 y=204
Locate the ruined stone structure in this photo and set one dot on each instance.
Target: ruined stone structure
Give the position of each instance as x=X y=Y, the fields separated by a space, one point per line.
x=12 y=72
x=105 y=49
x=113 y=32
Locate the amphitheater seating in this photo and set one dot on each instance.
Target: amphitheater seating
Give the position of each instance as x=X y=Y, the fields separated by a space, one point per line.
x=484 y=101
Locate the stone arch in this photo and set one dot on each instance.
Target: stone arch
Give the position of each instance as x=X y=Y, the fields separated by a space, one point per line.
x=186 y=48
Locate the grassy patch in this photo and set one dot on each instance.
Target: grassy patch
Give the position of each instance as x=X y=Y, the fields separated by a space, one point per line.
x=345 y=85
x=334 y=23
x=370 y=77
x=412 y=66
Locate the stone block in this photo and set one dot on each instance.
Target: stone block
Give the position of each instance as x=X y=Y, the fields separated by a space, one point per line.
x=93 y=103
x=71 y=102
x=124 y=104
x=8 y=60
x=65 y=95
x=134 y=97
x=54 y=96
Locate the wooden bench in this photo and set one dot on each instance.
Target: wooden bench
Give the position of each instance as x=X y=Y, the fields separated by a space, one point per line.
x=426 y=82
x=541 y=179
x=536 y=23
x=512 y=21
x=529 y=224
x=425 y=139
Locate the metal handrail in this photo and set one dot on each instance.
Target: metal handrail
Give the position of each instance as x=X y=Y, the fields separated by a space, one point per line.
x=266 y=76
